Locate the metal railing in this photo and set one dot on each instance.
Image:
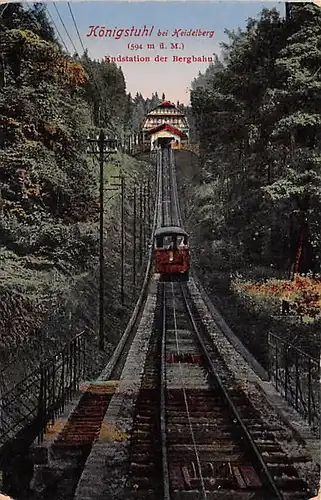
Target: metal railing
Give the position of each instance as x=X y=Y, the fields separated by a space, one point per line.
x=296 y=376
x=41 y=396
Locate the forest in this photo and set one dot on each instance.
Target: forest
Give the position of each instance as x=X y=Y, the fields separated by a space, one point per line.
x=50 y=102
x=259 y=127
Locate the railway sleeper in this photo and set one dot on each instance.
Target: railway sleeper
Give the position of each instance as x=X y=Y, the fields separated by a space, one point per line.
x=210 y=408
x=211 y=463
x=269 y=443
x=142 y=465
x=211 y=483
x=186 y=439
x=145 y=482
x=142 y=435
x=142 y=495
x=178 y=420
x=293 y=495
x=279 y=469
x=290 y=483
x=176 y=398
x=142 y=448
x=194 y=414
x=143 y=426
x=214 y=495
x=200 y=438
x=143 y=418
x=217 y=475
x=219 y=423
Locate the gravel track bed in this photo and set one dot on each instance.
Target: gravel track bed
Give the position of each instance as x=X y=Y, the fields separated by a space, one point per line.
x=289 y=439
x=104 y=474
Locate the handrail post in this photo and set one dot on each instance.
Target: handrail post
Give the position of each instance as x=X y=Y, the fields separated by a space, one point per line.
x=309 y=391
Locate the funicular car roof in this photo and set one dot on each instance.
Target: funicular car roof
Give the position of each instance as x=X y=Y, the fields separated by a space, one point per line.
x=167 y=230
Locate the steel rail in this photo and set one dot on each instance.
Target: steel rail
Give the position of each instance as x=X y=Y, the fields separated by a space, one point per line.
x=166 y=200
x=174 y=197
x=178 y=208
x=160 y=214
x=170 y=189
x=270 y=483
x=166 y=490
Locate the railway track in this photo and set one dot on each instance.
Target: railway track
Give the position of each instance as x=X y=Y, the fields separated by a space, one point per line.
x=170 y=215
x=194 y=434
x=214 y=444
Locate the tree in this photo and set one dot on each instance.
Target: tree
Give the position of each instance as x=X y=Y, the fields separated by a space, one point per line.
x=259 y=130
x=298 y=126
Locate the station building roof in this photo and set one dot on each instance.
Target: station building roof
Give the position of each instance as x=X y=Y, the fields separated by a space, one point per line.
x=168 y=128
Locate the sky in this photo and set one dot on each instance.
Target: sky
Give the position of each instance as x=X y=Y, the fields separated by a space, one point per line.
x=171 y=77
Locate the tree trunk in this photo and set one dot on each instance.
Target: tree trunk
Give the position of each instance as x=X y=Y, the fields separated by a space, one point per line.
x=296 y=264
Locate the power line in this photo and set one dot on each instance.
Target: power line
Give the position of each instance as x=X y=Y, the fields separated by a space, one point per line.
x=55 y=26
x=91 y=70
x=73 y=18
x=52 y=20
x=4 y=8
x=82 y=45
x=72 y=43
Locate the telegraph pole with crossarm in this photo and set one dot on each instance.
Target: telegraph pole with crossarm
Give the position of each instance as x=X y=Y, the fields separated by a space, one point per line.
x=104 y=148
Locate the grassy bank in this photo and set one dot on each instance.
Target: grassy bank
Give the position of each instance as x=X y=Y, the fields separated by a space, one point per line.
x=49 y=281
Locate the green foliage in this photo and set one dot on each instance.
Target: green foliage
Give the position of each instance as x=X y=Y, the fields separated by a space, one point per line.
x=260 y=131
x=49 y=210
x=35 y=20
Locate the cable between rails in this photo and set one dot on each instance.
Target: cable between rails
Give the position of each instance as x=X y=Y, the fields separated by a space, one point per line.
x=185 y=398
x=163 y=404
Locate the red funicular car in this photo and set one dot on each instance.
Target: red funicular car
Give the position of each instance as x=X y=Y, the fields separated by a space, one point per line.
x=171 y=253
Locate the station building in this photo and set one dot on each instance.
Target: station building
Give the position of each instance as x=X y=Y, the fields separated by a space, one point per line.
x=165 y=125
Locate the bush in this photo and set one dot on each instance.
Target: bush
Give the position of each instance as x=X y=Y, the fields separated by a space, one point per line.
x=74 y=244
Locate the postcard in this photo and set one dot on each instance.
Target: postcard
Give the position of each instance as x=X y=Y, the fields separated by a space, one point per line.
x=160 y=280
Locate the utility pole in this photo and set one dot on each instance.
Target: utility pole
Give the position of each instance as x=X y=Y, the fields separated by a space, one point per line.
x=1 y=203
x=2 y=61
x=144 y=215
x=134 y=247
x=141 y=224
x=122 y=239
x=122 y=272
x=108 y=147
x=134 y=198
x=149 y=198
x=101 y=145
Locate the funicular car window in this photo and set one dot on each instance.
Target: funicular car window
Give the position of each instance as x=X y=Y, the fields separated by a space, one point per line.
x=167 y=241
x=170 y=240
